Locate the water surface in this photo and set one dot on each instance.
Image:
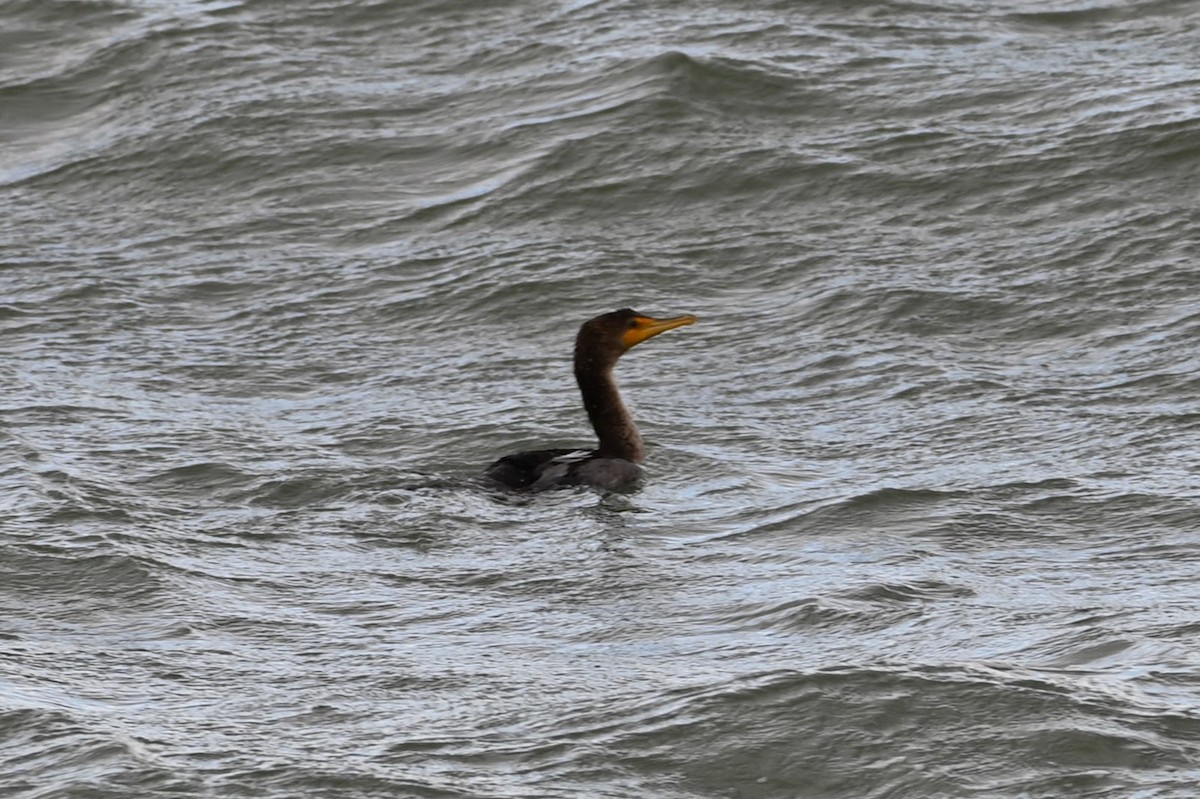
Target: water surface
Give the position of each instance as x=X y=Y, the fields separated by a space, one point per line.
x=277 y=280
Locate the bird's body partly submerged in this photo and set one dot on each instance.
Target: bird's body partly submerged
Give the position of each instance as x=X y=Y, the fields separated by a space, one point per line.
x=615 y=464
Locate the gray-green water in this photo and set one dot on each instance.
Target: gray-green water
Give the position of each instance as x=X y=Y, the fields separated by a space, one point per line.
x=278 y=279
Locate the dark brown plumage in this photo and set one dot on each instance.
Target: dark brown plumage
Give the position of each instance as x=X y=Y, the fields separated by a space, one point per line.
x=614 y=464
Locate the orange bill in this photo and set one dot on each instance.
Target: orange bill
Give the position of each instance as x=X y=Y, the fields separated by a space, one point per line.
x=644 y=327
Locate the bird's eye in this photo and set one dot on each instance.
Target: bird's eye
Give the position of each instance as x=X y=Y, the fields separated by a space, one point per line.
x=633 y=323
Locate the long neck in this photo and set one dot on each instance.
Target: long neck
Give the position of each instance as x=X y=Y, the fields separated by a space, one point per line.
x=619 y=436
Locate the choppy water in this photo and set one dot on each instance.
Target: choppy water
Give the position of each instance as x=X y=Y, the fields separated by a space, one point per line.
x=278 y=279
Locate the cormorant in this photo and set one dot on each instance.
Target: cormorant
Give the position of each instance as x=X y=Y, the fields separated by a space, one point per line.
x=615 y=464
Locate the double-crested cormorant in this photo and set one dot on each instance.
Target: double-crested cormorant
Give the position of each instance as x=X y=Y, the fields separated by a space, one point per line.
x=613 y=465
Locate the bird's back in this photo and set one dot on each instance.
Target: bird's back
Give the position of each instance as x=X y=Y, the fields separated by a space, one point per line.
x=538 y=470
